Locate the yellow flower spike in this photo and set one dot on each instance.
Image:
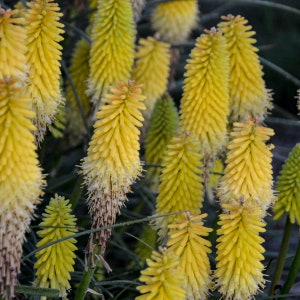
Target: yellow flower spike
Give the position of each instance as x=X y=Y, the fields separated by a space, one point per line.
x=112 y=163
x=239 y=273
x=289 y=188
x=112 y=49
x=175 y=20
x=248 y=94
x=12 y=46
x=44 y=32
x=152 y=69
x=187 y=241
x=204 y=105
x=248 y=172
x=21 y=179
x=138 y=6
x=79 y=72
x=162 y=278
x=55 y=262
x=163 y=124
x=181 y=186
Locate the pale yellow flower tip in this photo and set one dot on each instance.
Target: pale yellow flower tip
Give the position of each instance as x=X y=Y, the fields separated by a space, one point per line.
x=162 y=278
x=248 y=94
x=12 y=46
x=248 y=171
x=239 y=273
x=112 y=50
x=289 y=188
x=175 y=20
x=44 y=32
x=112 y=163
x=187 y=240
x=204 y=105
x=181 y=186
x=21 y=179
x=54 y=263
x=152 y=70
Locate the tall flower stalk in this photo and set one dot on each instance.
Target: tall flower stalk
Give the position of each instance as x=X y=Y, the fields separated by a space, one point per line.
x=187 y=240
x=44 y=32
x=54 y=263
x=239 y=273
x=112 y=163
x=181 y=187
x=20 y=179
x=162 y=278
x=248 y=171
x=288 y=188
x=248 y=94
x=204 y=105
x=112 y=49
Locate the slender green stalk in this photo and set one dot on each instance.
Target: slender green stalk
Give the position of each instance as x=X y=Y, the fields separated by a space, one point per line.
x=294 y=271
x=37 y=291
x=282 y=254
x=280 y=71
x=85 y=282
x=77 y=191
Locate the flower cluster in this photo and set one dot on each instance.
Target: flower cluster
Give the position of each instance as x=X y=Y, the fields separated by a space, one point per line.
x=289 y=188
x=55 y=262
x=204 y=104
x=112 y=49
x=44 y=32
x=174 y=20
x=112 y=163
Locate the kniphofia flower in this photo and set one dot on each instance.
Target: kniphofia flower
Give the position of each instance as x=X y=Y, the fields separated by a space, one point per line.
x=162 y=278
x=239 y=273
x=187 y=241
x=112 y=163
x=12 y=45
x=175 y=20
x=163 y=124
x=20 y=179
x=54 y=263
x=112 y=49
x=44 y=32
x=248 y=94
x=181 y=186
x=204 y=105
x=248 y=171
x=152 y=70
x=289 y=188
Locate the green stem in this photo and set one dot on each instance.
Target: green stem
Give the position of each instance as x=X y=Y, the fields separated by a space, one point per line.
x=85 y=282
x=294 y=271
x=282 y=254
